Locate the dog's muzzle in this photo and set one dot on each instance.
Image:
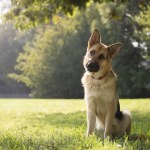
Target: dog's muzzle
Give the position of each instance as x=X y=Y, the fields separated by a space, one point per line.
x=92 y=66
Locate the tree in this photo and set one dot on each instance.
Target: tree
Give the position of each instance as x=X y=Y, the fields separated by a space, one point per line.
x=131 y=72
x=143 y=20
x=30 y=13
x=142 y=37
x=51 y=65
x=11 y=43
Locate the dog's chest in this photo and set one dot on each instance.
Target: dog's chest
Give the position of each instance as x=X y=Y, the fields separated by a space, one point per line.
x=99 y=93
x=101 y=98
x=102 y=93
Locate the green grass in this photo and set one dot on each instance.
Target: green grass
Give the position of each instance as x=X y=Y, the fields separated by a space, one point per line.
x=61 y=125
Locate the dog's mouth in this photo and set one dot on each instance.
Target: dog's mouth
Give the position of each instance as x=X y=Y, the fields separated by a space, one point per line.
x=92 y=66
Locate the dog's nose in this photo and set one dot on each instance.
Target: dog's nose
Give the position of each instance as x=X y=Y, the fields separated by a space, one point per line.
x=92 y=66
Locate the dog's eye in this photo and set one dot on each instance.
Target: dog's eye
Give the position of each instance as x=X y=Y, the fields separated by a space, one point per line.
x=93 y=52
x=101 y=56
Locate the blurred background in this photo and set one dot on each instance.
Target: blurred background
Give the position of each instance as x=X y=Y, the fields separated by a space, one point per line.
x=42 y=44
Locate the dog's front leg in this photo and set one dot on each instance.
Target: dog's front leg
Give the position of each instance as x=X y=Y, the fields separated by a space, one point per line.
x=91 y=116
x=108 y=123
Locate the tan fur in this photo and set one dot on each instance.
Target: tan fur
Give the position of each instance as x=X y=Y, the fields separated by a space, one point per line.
x=101 y=95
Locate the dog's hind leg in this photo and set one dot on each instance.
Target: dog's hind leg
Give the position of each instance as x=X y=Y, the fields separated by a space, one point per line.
x=125 y=124
x=128 y=129
x=128 y=116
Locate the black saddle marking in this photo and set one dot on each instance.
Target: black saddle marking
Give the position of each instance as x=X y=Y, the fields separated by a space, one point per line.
x=119 y=114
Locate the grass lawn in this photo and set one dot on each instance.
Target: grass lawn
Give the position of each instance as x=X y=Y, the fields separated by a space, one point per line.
x=61 y=125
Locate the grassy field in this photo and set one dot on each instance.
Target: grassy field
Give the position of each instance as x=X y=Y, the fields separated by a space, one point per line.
x=61 y=125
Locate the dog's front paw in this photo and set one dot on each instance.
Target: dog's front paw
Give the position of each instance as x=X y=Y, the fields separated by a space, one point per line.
x=88 y=134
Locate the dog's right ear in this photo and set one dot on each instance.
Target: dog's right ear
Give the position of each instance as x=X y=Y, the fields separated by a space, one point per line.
x=95 y=38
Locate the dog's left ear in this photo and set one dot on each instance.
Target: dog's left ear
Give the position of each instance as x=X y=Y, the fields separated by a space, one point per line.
x=95 y=38
x=114 y=49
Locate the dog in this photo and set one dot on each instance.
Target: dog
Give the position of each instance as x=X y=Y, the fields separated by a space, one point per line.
x=99 y=82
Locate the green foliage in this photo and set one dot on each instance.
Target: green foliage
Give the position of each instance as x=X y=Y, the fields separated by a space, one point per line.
x=30 y=13
x=48 y=66
x=51 y=65
x=11 y=43
x=144 y=34
x=61 y=124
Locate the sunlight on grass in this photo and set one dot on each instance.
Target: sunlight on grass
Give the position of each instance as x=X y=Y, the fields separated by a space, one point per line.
x=61 y=124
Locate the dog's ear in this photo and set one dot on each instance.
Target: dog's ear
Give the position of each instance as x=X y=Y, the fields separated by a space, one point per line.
x=114 y=49
x=95 y=38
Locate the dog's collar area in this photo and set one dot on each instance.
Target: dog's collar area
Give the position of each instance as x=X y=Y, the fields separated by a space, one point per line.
x=100 y=78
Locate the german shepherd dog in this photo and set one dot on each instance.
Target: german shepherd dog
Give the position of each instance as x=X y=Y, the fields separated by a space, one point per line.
x=99 y=82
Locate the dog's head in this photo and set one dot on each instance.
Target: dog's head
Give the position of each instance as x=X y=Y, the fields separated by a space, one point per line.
x=98 y=56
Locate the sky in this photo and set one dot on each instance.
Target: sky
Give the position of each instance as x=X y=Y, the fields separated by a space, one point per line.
x=4 y=7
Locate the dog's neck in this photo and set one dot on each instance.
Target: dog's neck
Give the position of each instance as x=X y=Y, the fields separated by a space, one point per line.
x=104 y=81
x=104 y=76
x=100 y=77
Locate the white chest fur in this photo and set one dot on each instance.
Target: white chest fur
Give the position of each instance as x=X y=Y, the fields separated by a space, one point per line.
x=103 y=89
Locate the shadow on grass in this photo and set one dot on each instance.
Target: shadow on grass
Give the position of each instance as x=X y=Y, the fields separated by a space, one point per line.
x=63 y=120
x=140 y=131
x=139 y=138
x=140 y=121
